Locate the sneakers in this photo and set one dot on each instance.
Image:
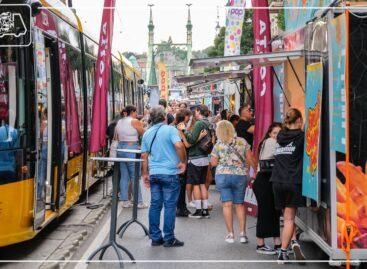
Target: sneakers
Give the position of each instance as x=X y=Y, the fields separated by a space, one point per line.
x=157 y=243
x=298 y=254
x=205 y=214
x=191 y=204
x=183 y=213
x=229 y=238
x=173 y=243
x=142 y=205
x=243 y=238
x=196 y=215
x=167 y=244
x=126 y=204
x=266 y=250
x=282 y=257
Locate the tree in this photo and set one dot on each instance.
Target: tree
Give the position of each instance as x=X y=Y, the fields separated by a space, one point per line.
x=246 y=40
x=281 y=20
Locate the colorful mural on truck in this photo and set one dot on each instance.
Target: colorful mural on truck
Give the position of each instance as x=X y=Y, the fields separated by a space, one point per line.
x=299 y=12
x=357 y=166
x=311 y=176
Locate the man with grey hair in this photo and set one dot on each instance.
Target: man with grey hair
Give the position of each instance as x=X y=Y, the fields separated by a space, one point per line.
x=165 y=155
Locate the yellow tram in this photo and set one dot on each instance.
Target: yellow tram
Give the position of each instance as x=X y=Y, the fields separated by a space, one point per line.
x=46 y=98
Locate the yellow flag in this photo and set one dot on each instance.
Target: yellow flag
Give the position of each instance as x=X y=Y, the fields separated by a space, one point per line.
x=163 y=80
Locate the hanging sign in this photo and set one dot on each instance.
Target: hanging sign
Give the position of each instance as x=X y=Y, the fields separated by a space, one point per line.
x=262 y=76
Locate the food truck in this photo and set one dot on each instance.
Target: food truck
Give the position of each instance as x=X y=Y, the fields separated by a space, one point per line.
x=319 y=67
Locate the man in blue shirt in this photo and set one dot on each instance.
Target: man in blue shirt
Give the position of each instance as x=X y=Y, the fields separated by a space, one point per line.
x=165 y=154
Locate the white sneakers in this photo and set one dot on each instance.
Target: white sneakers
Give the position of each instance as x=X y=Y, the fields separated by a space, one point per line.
x=126 y=204
x=142 y=205
x=243 y=238
x=229 y=238
x=191 y=204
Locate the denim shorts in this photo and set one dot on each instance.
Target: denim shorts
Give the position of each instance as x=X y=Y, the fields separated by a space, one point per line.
x=231 y=187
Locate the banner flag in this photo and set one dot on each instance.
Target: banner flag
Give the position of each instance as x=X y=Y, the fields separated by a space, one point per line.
x=234 y=22
x=163 y=81
x=311 y=173
x=337 y=30
x=99 y=117
x=278 y=95
x=262 y=76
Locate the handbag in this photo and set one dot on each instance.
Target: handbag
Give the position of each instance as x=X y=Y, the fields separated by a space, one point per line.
x=250 y=200
x=266 y=166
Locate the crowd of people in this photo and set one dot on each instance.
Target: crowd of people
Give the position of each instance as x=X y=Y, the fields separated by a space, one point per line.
x=184 y=149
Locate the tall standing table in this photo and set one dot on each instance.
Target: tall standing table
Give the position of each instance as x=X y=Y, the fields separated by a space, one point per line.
x=112 y=236
x=134 y=218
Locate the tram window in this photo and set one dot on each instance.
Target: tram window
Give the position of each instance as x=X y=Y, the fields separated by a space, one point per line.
x=71 y=100
x=90 y=64
x=90 y=47
x=68 y=33
x=11 y=92
x=117 y=77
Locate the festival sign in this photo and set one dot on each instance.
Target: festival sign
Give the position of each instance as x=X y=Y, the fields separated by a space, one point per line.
x=262 y=76
x=163 y=80
x=337 y=30
x=99 y=116
x=311 y=172
x=234 y=22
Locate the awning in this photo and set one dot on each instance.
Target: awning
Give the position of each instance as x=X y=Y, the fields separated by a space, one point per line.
x=207 y=77
x=263 y=59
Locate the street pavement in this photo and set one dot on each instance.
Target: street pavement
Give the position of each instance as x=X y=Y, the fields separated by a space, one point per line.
x=204 y=245
x=60 y=239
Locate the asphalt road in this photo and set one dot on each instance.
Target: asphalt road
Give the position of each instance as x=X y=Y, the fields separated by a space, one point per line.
x=204 y=245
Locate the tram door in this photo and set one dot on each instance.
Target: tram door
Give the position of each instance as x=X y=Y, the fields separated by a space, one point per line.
x=44 y=53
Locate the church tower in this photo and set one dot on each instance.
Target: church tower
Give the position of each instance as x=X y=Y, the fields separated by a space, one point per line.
x=150 y=55
x=189 y=37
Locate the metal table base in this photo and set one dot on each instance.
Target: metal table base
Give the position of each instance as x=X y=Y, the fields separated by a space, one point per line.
x=112 y=236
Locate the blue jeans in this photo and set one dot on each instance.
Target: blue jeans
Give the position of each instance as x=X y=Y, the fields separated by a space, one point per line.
x=231 y=187
x=165 y=190
x=127 y=171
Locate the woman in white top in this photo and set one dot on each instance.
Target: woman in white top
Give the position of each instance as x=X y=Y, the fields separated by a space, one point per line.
x=127 y=131
x=267 y=216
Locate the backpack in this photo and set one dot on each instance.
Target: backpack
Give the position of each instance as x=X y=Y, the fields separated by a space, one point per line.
x=206 y=144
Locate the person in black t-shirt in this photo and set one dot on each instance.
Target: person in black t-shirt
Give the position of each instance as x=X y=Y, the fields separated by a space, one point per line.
x=170 y=117
x=287 y=179
x=245 y=126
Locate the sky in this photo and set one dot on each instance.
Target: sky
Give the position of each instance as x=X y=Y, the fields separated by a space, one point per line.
x=169 y=17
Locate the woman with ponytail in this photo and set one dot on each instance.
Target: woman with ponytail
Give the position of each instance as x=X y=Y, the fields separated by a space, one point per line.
x=287 y=179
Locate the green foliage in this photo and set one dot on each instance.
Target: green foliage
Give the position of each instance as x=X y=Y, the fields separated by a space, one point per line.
x=281 y=20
